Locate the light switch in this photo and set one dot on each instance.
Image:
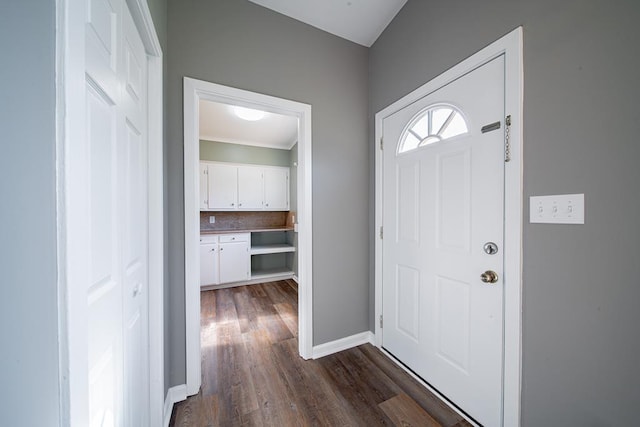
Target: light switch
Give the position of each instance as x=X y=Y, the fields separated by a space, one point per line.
x=212 y=219
x=558 y=209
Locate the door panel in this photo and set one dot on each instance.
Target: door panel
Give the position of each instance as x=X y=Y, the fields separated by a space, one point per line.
x=234 y=262
x=443 y=199
x=117 y=140
x=223 y=187
x=135 y=237
x=276 y=189
x=204 y=187
x=250 y=188
x=104 y=296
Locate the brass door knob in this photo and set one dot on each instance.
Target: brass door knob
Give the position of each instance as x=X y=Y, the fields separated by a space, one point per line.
x=489 y=276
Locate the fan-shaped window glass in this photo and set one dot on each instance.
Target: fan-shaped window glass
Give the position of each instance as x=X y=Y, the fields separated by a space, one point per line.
x=432 y=125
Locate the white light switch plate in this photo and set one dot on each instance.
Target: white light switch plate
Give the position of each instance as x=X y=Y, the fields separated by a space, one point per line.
x=212 y=219
x=558 y=209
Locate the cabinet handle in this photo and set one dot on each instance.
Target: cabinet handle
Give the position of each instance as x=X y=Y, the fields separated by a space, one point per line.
x=233 y=204
x=239 y=204
x=266 y=204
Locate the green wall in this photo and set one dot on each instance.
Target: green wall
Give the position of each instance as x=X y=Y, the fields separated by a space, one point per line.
x=236 y=153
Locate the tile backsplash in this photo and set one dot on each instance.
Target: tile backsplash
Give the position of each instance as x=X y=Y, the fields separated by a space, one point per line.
x=245 y=220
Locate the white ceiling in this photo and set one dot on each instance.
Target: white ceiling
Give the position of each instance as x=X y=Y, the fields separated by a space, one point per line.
x=219 y=123
x=361 y=21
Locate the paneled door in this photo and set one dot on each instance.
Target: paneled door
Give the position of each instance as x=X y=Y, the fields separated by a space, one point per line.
x=443 y=220
x=116 y=137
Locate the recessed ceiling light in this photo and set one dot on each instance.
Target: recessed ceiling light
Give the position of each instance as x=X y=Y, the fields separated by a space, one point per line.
x=248 y=113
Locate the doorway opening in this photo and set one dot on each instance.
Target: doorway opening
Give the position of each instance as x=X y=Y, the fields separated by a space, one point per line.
x=197 y=96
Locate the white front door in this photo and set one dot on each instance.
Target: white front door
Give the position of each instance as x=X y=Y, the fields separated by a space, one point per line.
x=443 y=200
x=117 y=303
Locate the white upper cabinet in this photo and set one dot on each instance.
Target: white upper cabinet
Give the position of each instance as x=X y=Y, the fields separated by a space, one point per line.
x=204 y=186
x=223 y=187
x=250 y=192
x=231 y=187
x=276 y=189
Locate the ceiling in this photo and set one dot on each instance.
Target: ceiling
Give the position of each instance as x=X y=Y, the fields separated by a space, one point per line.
x=219 y=123
x=361 y=21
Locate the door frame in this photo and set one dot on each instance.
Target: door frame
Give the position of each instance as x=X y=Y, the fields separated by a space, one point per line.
x=72 y=205
x=509 y=45
x=194 y=91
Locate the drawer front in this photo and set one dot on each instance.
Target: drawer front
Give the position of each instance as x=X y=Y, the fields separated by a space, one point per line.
x=208 y=238
x=241 y=237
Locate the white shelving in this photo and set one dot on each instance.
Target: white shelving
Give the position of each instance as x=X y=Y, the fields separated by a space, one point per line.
x=272 y=249
x=269 y=255
x=271 y=273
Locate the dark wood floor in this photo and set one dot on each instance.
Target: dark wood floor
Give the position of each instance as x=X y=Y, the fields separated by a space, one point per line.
x=252 y=374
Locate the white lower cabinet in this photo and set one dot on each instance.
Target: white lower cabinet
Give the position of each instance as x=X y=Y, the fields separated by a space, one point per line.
x=235 y=260
x=209 y=265
x=224 y=258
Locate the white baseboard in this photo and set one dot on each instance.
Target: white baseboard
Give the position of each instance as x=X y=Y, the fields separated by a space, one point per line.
x=174 y=395
x=343 y=344
x=295 y=279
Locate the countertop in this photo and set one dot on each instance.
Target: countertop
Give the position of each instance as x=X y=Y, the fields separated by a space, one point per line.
x=246 y=230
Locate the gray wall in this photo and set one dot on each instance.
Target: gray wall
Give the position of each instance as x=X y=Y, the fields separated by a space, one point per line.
x=581 y=127
x=236 y=153
x=28 y=307
x=240 y=44
x=158 y=9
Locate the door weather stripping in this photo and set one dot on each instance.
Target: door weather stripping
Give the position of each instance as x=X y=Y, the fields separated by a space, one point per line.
x=490 y=127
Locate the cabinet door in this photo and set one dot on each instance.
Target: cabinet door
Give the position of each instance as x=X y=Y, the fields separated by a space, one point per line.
x=235 y=262
x=223 y=187
x=204 y=187
x=209 y=264
x=276 y=189
x=250 y=185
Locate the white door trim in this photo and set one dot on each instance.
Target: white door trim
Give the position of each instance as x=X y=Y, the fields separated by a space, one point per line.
x=194 y=90
x=511 y=46
x=72 y=221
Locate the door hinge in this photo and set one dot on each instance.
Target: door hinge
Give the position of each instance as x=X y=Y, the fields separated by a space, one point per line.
x=507 y=139
x=381 y=321
x=381 y=143
x=381 y=233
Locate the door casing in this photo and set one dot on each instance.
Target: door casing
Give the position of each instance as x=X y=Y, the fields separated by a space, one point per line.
x=511 y=46
x=194 y=91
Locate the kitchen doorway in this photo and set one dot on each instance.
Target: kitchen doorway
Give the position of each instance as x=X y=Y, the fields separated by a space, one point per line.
x=196 y=91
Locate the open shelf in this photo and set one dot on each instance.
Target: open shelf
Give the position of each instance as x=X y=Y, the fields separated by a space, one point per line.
x=271 y=273
x=272 y=249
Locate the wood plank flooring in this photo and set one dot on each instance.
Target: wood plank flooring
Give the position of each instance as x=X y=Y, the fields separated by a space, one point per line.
x=252 y=374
